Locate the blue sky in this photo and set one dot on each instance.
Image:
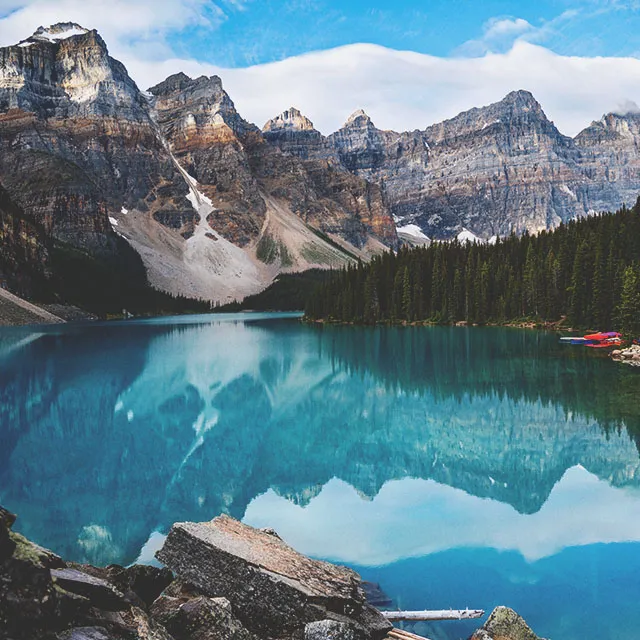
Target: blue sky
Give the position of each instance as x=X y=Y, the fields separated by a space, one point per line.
x=259 y=31
x=408 y=63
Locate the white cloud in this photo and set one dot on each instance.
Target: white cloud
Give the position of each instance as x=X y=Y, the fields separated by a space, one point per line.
x=627 y=106
x=496 y=28
x=399 y=89
x=338 y=524
x=497 y=34
x=130 y=27
x=405 y=90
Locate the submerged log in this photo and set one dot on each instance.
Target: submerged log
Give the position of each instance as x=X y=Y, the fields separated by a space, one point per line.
x=445 y=614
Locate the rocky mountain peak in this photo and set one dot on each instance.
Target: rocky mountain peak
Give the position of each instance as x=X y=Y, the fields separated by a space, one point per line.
x=65 y=70
x=59 y=31
x=358 y=119
x=291 y=119
x=179 y=82
x=521 y=99
x=612 y=128
x=194 y=103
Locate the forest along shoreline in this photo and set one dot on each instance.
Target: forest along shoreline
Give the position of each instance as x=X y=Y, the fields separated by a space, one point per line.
x=221 y=579
x=585 y=273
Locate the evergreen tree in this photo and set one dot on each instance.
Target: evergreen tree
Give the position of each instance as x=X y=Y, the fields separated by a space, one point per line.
x=628 y=310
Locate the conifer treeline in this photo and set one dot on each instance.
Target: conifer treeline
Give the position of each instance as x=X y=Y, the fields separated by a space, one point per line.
x=587 y=270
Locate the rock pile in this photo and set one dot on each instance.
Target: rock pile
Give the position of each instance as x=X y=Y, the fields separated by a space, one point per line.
x=224 y=581
x=631 y=355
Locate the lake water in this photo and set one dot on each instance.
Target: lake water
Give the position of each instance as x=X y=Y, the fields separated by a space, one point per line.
x=457 y=467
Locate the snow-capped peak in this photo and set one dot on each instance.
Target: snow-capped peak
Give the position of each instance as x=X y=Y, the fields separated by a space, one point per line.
x=59 y=31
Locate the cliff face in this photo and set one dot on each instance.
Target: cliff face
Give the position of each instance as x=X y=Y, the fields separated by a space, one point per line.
x=76 y=139
x=206 y=135
x=610 y=160
x=85 y=154
x=25 y=255
x=338 y=202
x=246 y=178
x=493 y=170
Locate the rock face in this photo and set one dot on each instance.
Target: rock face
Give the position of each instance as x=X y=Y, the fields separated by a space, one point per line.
x=504 y=624
x=274 y=590
x=493 y=170
x=24 y=255
x=76 y=138
x=81 y=148
x=609 y=161
x=244 y=176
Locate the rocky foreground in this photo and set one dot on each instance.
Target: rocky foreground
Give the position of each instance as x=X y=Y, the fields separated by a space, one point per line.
x=223 y=581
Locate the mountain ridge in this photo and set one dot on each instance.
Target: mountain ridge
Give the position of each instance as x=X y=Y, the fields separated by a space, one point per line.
x=88 y=156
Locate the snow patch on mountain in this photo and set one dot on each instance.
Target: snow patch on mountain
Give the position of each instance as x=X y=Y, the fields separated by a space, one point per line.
x=413 y=234
x=468 y=236
x=60 y=31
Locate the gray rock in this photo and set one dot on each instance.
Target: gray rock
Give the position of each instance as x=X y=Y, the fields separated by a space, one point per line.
x=6 y=518
x=100 y=593
x=329 y=630
x=273 y=590
x=193 y=617
x=504 y=624
x=85 y=633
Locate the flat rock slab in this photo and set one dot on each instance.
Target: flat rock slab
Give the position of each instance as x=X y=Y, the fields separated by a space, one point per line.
x=99 y=592
x=267 y=551
x=273 y=589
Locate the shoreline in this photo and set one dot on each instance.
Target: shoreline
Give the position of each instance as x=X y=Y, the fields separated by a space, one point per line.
x=511 y=324
x=219 y=580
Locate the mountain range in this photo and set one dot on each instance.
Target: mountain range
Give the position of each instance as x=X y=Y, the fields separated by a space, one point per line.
x=215 y=208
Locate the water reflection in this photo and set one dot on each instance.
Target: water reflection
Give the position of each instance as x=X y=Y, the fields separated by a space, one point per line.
x=108 y=434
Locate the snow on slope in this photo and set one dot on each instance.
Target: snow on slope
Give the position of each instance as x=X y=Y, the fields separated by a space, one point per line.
x=413 y=234
x=59 y=32
x=467 y=236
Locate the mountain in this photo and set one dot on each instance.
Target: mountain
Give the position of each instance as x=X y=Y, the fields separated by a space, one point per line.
x=213 y=211
x=174 y=183
x=489 y=171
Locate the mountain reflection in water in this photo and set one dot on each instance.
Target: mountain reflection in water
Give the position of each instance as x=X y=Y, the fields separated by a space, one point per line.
x=382 y=448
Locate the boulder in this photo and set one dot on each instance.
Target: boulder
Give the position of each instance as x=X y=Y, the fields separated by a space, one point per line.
x=7 y=545
x=329 y=630
x=100 y=593
x=140 y=584
x=504 y=624
x=31 y=606
x=274 y=591
x=189 y=617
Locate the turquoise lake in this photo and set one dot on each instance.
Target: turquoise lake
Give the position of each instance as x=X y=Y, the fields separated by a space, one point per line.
x=457 y=467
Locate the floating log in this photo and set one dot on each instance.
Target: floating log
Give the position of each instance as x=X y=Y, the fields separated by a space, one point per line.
x=445 y=614
x=400 y=634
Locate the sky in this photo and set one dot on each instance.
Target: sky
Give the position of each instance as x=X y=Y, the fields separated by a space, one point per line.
x=407 y=63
